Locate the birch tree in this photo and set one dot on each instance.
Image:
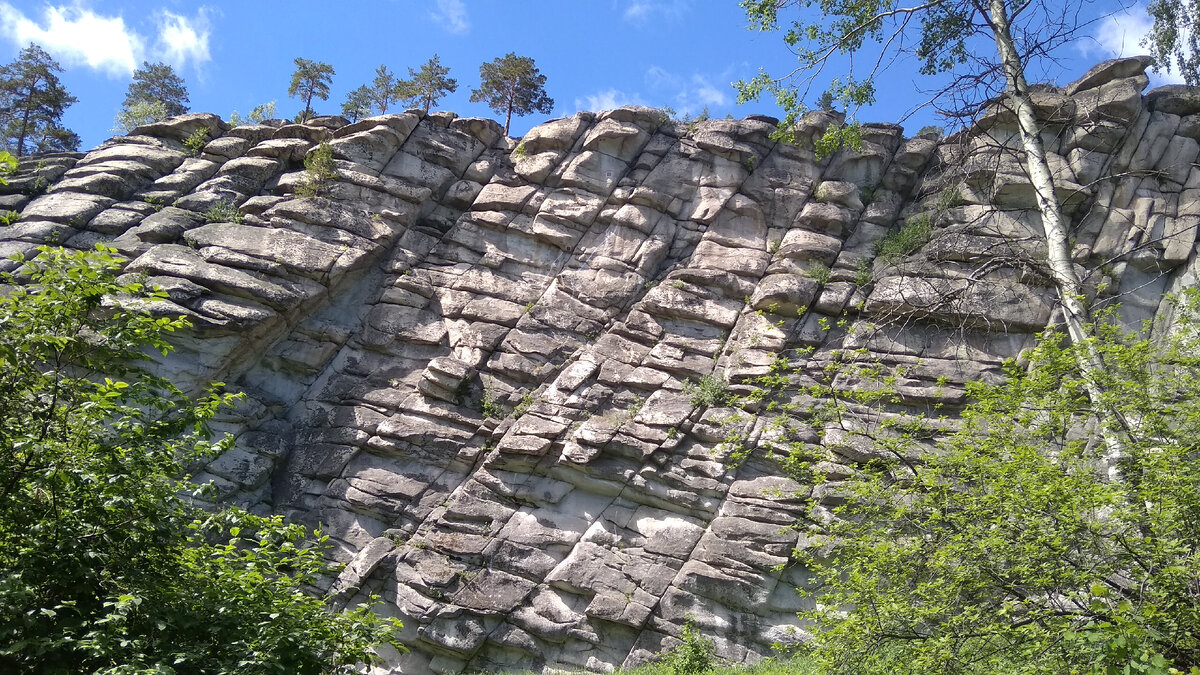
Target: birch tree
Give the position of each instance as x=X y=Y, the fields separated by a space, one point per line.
x=947 y=38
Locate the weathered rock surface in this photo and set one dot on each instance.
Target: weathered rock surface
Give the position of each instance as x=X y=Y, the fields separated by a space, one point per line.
x=467 y=361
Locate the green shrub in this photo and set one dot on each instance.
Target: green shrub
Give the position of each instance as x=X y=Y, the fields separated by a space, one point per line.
x=862 y=273
x=709 y=390
x=907 y=240
x=819 y=272
x=224 y=212
x=489 y=408
x=9 y=217
x=196 y=142
x=319 y=172
x=107 y=563
x=694 y=655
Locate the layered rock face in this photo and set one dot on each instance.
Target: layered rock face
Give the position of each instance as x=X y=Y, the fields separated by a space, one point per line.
x=467 y=360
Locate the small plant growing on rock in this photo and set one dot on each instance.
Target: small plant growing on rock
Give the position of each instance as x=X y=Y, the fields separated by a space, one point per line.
x=9 y=217
x=709 y=390
x=524 y=406
x=862 y=273
x=319 y=172
x=488 y=406
x=521 y=152
x=819 y=272
x=196 y=142
x=907 y=239
x=224 y=212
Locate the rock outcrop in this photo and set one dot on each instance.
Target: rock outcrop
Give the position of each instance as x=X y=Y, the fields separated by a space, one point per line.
x=466 y=361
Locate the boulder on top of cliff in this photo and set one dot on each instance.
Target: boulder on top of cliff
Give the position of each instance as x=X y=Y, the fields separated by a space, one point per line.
x=181 y=127
x=1107 y=71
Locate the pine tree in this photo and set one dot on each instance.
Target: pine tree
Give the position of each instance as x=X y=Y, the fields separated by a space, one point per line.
x=512 y=84
x=311 y=80
x=385 y=89
x=359 y=104
x=32 y=102
x=158 y=82
x=428 y=85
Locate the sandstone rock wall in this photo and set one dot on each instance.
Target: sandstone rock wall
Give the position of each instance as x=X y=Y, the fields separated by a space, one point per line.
x=467 y=363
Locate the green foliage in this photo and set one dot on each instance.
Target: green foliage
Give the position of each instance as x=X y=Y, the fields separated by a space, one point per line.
x=520 y=152
x=9 y=217
x=819 y=272
x=837 y=137
x=1172 y=38
x=385 y=89
x=196 y=141
x=265 y=111
x=694 y=655
x=134 y=115
x=512 y=84
x=524 y=405
x=709 y=390
x=358 y=104
x=862 y=272
x=489 y=408
x=222 y=212
x=425 y=87
x=319 y=172
x=310 y=80
x=907 y=240
x=32 y=103
x=8 y=166
x=1013 y=547
x=105 y=564
x=157 y=82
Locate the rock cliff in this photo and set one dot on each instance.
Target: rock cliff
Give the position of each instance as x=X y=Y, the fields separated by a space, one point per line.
x=468 y=360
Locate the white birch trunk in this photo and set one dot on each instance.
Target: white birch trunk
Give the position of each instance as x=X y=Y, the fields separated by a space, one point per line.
x=1062 y=269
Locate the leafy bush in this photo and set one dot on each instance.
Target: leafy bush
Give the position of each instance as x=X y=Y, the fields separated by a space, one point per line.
x=693 y=655
x=907 y=240
x=9 y=217
x=1019 y=546
x=266 y=111
x=709 y=390
x=196 y=142
x=105 y=564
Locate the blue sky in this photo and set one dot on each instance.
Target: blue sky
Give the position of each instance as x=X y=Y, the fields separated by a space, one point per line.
x=595 y=55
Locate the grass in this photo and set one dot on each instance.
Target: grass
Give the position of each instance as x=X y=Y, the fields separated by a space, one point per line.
x=223 y=212
x=907 y=239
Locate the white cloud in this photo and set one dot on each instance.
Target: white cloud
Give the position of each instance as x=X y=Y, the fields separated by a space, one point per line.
x=78 y=36
x=453 y=15
x=607 y=100
x=641 y=11
x=1121 y=34
x=182 y=40
x=688 y=95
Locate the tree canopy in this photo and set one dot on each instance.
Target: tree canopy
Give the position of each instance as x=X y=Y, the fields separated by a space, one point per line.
x=358 y=104
x=512 y=85
x=311 y=79
x=32 y=103
x=107 y=562
x=158 y=82
x=425 y=87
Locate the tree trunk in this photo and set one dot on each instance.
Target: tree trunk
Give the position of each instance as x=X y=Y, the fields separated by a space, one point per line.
x=307 y=107
x=1062 y=269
